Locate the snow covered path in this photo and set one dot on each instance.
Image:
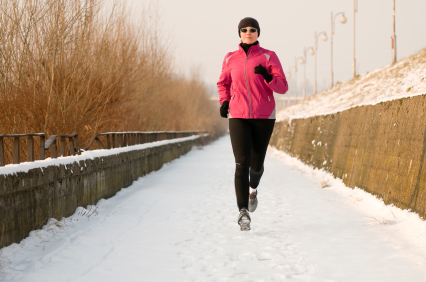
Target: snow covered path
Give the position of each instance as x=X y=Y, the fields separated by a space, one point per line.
x=180 y=224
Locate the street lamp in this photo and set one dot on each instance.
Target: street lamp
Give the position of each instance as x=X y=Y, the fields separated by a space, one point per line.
x=300 y=59
x=393 y=37
x=324 y=38
x=333 y=19
x=303 y=61
x=289 y=76
x=353 y=59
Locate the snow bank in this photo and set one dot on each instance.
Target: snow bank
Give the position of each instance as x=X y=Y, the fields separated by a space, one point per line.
x=403 y=223
x=406 y=78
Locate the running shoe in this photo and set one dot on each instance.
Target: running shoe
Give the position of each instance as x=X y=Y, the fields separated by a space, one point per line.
x=252 y=202
x=244 y=220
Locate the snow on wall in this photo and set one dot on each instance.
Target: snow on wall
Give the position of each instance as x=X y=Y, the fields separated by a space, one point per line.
x=26 y=166
x=407 y=78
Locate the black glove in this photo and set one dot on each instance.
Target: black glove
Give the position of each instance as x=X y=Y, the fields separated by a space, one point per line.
x=264 y=72
x=224 y=109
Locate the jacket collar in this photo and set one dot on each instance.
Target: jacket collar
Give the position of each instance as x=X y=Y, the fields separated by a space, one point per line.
x=252 y=49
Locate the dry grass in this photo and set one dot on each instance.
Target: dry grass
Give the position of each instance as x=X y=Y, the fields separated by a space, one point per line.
x=85 y=66
x=356 y=199
x=92 y=211
x=52 y=229
x=324 y=183
x=388 y=220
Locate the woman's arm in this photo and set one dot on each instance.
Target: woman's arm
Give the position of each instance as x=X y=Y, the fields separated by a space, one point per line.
x=278 y=83
x=224 y=83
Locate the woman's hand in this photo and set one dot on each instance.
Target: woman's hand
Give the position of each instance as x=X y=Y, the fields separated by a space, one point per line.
x=264 y=72
x=224 y=109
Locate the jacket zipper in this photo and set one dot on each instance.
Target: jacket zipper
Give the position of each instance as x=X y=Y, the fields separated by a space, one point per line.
x=269 y=99
x=248 y=87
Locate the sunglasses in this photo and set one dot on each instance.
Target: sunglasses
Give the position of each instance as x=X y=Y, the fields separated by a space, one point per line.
x=252 y=30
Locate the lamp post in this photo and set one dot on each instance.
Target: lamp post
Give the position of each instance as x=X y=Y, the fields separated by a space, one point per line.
x=353 y=59
x=303 y=62
x=324 y=38
x=294 y=85
x=393 y=36
x=289 y=81
x=333 y=19
x=295 y=77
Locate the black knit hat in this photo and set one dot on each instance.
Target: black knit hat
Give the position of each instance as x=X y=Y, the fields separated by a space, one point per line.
x=248 y=22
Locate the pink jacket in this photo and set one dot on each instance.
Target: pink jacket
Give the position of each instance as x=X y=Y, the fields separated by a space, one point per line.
x=249 y=94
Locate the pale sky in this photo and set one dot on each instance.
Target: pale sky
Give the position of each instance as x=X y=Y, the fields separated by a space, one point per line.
x=203 y=32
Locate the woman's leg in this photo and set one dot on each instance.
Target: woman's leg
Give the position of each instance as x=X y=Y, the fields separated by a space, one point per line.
x=241 y=136
x=261 y=131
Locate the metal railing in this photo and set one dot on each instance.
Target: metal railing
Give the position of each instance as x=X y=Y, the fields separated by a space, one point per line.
x=111 y=139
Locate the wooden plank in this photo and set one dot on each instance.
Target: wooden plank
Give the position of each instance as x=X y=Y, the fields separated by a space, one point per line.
x=62 y=148
x=30 y=148
x=77 y=145
x=114 y=144
x=2 y=163
x=108 y=141
x=41 y=152
x=54 y=150
x=16 y=151
x=71 y=146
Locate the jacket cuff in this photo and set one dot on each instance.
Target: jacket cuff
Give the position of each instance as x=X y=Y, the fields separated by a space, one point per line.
x=273 y=79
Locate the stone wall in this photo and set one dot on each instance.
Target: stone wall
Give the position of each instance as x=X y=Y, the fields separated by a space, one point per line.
x=28 y=200
x=379 y=148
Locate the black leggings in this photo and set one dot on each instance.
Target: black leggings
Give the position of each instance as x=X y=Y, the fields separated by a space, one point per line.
x=250 y=139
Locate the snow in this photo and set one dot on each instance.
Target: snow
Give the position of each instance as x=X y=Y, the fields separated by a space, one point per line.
x=180 y=224
x=407 y=78
x=26 y=166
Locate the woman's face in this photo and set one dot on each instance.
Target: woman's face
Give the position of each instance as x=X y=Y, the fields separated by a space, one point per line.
x=249 y=37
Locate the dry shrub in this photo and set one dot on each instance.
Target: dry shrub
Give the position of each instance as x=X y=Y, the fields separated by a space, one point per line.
x=85 y=66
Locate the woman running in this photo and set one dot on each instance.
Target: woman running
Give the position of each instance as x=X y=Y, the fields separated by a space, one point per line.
x=249 y=77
